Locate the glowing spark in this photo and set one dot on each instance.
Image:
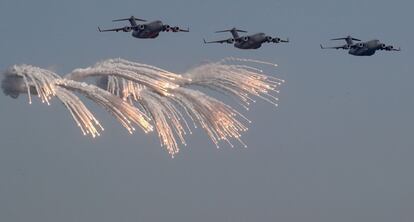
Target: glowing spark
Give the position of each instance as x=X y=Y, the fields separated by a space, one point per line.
x=147 y=96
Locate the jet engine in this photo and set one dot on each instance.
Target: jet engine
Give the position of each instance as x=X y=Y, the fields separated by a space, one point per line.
x=360 y=45
x=176 y=29
x=230 y=41
x=245 y=38
x=269 y=38
x=383 y=46
x=166 y=28
x=141 y=27
x=276 y=40
x=126 y=29
x=389 y=48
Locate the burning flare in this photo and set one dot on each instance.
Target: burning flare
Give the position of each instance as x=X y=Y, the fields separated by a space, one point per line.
x=147 y=96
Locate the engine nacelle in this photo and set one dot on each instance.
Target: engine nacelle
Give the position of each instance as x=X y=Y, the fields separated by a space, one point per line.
x=276 y=40
x=383 y=46
x=126 y=29
x=389 y=48
x=176 y=29
x=269 y=38
x=360 y=45
x=166 y=28
x=141 y=27
x=230 y=41
x=245 y=38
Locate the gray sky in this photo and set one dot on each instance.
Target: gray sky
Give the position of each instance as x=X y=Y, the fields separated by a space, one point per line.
x=339 y=147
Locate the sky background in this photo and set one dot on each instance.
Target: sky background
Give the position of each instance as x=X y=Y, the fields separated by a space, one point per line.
x=340 y=146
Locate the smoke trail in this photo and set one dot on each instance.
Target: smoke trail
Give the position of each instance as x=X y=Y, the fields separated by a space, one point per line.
x=241 y=81
x=126 y=114
x=217 y=119
x=139 y=94
x=47 y=84
x=152 y=77
x=168 y=120
x=220 y=121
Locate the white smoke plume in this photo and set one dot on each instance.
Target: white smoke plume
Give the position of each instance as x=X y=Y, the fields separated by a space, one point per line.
x=46 y=84
x=147 y=96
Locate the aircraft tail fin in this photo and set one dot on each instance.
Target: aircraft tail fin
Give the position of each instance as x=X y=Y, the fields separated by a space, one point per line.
x=132 y=20
x=349 y=39
x=345 y=38
x=233 y=31
x=128 y=19
x=230 y=30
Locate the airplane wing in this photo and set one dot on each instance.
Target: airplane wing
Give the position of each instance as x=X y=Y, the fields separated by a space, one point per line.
x=220 y=41
x=390 y=48
x=176 y=29
x=110 y=30
x=184 y=30
x=282 y=40
x=335 y=47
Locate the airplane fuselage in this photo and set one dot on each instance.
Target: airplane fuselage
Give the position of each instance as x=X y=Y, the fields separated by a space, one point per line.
x=251 y=41
x=148 y=30
x=365 y=48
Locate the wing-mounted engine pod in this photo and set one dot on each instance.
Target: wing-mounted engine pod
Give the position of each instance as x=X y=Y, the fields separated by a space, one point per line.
x=360 y=45
x=166 y=28
x=176 y=29
x=389 y=48
x=126 y=29
x=245 y=38
x=276 y=40
x=269 y=38
x=231 y=40
x=141 y=27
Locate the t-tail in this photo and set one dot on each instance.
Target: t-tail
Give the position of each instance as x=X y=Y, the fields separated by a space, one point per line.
x=349 y=39
x=233 y=31
x=131 y=20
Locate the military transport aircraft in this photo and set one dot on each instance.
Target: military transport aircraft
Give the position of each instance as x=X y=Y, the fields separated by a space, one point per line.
x=148 y=30
x=367 y=48
x=254 y=41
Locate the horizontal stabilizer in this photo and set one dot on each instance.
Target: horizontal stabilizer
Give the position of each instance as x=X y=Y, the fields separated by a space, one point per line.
x=130 y=18
x=229 y=30
x=346 y=38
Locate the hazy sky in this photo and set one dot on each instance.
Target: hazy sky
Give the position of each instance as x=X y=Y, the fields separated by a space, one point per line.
x=339 y=148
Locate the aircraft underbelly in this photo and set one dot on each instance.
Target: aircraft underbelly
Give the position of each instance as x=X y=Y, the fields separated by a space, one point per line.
x=145 y=34
x=362 y=52
x=248 y=45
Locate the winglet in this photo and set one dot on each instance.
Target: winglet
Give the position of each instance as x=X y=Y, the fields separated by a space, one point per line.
x=322 y=46
x=204 y=41
x=99 y=29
